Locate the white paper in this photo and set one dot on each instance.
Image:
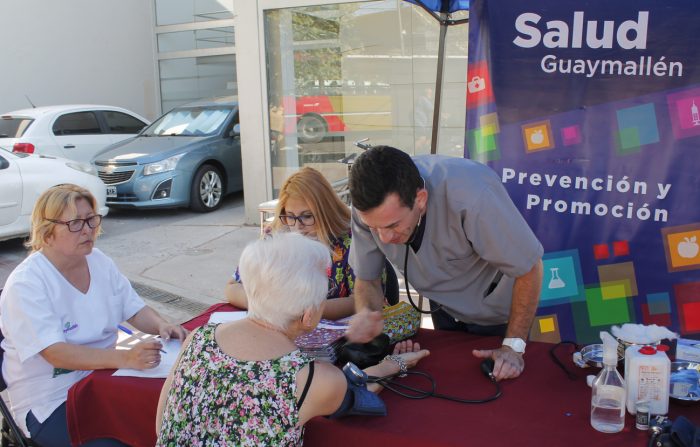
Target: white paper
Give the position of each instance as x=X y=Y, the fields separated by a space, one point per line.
x=332 y=326
x=225 y=317
x=167 y=360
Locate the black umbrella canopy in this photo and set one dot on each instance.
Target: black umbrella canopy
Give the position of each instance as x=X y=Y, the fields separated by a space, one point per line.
x=441 y=10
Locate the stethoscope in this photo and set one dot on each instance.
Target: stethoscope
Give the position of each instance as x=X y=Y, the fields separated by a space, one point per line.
x=405 y=270
x=491 y=288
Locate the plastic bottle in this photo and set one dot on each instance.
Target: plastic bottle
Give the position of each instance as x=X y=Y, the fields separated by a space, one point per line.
x=647 y=375
x=608 y=400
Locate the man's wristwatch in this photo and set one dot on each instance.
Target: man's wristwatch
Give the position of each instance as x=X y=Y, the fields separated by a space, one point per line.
x=516 y=344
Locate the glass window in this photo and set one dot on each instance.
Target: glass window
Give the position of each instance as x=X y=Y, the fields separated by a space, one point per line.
x=344 y=72
x=79 y=123
x=197 y=39
x=119 y=122
x=14 y=127
x=189 y=79
x=188 y=122
x=170 y=12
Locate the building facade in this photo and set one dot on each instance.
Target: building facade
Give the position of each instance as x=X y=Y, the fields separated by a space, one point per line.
x=311 y=77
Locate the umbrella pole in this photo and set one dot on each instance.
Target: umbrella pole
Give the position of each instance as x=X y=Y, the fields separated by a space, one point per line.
x=438 y=86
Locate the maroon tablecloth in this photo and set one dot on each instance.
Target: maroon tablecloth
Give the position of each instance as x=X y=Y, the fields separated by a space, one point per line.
x=542 y=407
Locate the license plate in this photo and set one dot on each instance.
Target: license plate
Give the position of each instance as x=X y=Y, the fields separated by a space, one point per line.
x=111 y=191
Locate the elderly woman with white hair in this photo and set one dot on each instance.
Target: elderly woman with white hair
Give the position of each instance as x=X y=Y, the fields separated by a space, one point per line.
x=245 y=382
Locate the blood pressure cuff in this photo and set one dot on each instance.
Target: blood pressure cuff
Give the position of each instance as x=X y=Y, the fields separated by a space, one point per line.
x=684 y=433
x=359 y=401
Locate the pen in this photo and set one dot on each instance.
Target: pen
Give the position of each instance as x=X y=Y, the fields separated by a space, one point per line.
x=163 y=350
x=125 y=329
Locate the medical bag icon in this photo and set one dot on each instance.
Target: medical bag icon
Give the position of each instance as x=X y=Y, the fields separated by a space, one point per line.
x=477 y=84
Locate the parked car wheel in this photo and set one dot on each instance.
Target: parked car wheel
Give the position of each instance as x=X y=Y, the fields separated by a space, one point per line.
x=311 y=128
x=207 y=189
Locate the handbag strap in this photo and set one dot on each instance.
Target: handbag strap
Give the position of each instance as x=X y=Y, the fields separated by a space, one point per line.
x=307 y=385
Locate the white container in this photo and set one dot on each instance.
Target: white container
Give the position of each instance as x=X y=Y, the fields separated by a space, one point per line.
x=688 y=350
x=647 y=377
x=608 y=398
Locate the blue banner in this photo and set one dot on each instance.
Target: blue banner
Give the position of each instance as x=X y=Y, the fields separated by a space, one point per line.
x=589 y=113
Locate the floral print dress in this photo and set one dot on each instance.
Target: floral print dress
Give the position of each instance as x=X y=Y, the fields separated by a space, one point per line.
x=218 y=400
x=342 y=279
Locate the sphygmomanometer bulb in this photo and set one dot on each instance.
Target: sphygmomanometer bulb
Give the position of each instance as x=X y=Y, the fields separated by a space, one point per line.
x=487 y=368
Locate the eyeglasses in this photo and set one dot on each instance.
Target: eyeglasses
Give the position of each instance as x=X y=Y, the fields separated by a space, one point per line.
x=76 y=225
x=305 y=220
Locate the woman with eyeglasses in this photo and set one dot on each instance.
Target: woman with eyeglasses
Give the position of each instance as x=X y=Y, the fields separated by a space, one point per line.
x=308 y=205
x=59 y=312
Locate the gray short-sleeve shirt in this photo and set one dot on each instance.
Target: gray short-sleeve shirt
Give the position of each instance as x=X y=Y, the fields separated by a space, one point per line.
x=473 y=230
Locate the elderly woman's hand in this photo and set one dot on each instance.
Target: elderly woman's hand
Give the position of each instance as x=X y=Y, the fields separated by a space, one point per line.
x=410 y=352
x=144 y=355
x=169 y=330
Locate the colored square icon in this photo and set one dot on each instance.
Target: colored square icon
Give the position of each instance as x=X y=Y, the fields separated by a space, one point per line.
x=489 y=123
x=601 y=251
x=621 y=248
x=636 y=127
x=682 y=246
x=546 y=325
x=571 y=135
x=545 y=329
x=659 y=303
x=479 y=90
x=688 y=305
x=617 y=281
x=538 y=136
x=560 y=280
x=684 y=111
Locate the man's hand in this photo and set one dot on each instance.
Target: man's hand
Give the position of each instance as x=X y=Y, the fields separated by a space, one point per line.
x=144 y=355
x=508 y=364
x=365 y=325
x=168 y=331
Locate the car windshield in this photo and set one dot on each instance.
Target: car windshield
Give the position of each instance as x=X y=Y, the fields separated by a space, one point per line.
x=13 y=127
x=189 y=122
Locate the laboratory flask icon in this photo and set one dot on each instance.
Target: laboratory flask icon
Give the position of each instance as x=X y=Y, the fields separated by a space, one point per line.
x=555 y=282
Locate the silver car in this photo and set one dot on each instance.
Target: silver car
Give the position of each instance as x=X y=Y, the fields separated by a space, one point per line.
x=191 y=156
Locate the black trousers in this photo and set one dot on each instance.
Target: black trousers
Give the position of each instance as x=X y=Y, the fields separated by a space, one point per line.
x=446 y=322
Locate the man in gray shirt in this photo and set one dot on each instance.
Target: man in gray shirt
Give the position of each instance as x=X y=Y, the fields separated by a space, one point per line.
x=451 y=224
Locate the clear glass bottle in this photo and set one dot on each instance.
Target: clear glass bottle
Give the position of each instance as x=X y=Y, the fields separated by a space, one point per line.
x=608 y=400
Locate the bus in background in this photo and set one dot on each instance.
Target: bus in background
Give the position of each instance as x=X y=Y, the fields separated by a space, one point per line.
x=330 y=108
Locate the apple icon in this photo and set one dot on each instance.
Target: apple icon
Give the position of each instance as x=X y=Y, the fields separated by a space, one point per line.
x=537 y=137
x=688 y=248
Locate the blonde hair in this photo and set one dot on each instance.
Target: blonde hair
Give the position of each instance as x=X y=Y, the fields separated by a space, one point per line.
x=274 y=294
x=332 y=216
x=51 y=204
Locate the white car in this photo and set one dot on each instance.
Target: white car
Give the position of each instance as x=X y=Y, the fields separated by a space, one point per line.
x=76 y=132
x=24 y=177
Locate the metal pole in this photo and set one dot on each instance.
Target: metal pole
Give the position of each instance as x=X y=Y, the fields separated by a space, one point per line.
x=438 y=84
